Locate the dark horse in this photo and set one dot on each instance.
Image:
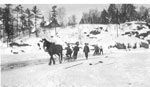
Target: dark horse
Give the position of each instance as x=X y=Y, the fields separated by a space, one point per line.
x=52 y=49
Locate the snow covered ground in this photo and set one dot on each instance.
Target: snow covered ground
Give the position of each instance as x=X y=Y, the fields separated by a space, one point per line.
x=119 y=69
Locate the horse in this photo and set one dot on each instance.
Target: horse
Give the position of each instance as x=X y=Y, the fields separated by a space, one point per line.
x=52 y=49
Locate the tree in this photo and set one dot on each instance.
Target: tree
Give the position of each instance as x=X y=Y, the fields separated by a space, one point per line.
x=84 y=19
x=104 y=17
x=146 y=15
x=1 y=19
x=112 y=11
x=37 y=14
x=7 y=22
x=128 y=12
x=50 y=16
x=61 y=16
x=23 y=22
x=142 y=13
x=29 y=16
x=72 y=20
x=1 y=13
x=92 y=17
x=19 y=10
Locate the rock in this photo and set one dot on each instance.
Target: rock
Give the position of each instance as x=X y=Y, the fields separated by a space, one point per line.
x=100 y=61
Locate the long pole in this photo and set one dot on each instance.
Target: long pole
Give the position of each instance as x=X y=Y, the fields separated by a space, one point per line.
x=55 y=24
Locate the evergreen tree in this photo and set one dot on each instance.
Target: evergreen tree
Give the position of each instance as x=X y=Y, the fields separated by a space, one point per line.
x=18 y=10
x=23 y=22
x=146 y=15
x=104 y=17
x=37 y=14
x=7 y=22
x=112 y=10
x=29 y=16
x=128 y=12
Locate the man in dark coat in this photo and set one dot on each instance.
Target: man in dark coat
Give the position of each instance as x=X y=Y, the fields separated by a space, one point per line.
x=75 y=51
x=96 y=50
x=69 y=51
x=86 y=50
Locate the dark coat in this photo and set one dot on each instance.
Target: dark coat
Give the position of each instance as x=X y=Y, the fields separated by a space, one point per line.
x=75 y=49
x=86 y=49
x=69 y=51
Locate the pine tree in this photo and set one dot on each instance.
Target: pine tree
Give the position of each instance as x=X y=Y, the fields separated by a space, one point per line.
x=18 y=10
x=29 y=16
x=104 y=17
x=37 y=14
x=112 y=10
x=128 y=12
x=7 y=22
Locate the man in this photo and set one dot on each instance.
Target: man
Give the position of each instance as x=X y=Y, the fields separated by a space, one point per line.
x=75 y=50
x=101 y=50
x=69 y=51
x=96 y=50
x=86 y=50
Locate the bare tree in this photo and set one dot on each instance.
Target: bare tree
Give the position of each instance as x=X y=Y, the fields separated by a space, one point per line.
x=72 y=20
x=61 y=16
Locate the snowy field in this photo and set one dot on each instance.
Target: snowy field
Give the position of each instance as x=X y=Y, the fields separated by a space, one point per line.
x=116 y=68
x=119 y=69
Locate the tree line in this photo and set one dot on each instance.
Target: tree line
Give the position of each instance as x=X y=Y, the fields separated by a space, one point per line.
x=116 y=13
x=17 y=21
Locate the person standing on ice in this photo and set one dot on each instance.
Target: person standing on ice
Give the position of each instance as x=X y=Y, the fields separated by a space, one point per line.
x=75 y=50
x=69 y=51
x=96 y=50
x=101 y=50
x=86 y=50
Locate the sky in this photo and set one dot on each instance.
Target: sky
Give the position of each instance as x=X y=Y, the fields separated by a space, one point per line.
x=71 y=9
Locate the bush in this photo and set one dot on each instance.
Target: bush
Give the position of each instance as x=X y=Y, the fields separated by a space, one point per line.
x=144 y=45
x=120 y=46
x=94 y=32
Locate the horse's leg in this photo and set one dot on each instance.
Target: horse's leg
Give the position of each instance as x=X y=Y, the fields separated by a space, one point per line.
x=60 y=60
x=53 y=60
x=50 y=61
x=60 y=57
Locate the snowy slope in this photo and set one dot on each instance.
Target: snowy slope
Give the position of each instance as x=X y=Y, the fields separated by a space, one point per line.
x=79 y=33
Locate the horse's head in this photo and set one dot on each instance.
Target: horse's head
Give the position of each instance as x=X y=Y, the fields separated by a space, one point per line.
x=47 y=44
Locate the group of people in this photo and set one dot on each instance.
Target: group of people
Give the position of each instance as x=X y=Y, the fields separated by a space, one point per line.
x=98 y=50
x=75 y=51
x=86 y=50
